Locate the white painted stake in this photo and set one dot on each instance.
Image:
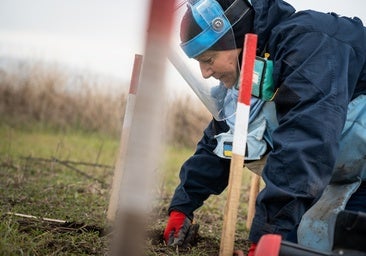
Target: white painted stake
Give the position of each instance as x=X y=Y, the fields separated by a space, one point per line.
x=239 y=145
x=127 y=120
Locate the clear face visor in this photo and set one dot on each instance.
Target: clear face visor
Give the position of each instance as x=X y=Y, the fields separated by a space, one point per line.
x=207 y=27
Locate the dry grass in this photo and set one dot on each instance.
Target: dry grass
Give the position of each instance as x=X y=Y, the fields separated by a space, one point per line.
x=36 y=93
x=48 y=95
x=186 y=120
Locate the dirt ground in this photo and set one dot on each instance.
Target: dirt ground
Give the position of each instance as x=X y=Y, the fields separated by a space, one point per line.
x=206 y=243
x=28 y=187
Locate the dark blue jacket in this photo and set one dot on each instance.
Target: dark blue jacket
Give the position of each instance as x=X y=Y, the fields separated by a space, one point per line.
x=319 y=67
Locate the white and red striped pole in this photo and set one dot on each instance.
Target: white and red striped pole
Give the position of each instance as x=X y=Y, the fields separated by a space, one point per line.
x=144 y=147
x=126 y=127
x=239 y=146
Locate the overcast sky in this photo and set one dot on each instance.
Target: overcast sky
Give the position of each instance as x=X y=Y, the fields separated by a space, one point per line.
x=101 y=35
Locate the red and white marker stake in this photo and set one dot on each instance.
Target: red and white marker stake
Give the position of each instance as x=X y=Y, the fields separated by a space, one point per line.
x=239 y=146
x=245 y=89
x=127 y=120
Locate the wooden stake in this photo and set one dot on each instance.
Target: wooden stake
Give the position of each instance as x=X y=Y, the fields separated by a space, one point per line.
x=253 y=193
x=130 y=105
x=232 y=205
x=239 y=145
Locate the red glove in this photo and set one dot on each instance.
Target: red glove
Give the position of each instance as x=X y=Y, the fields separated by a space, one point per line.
x=252 y=248
x=177 y=229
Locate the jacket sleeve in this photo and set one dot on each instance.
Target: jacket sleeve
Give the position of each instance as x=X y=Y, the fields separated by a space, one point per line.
x=202 y=174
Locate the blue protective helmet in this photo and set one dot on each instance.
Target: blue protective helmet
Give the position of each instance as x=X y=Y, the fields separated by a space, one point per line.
x=215 y=25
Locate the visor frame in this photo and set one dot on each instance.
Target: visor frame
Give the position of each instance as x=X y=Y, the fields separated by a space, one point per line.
x=214 y=22
x=209 y=15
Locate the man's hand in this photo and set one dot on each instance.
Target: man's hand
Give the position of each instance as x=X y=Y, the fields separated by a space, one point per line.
x=180 y=231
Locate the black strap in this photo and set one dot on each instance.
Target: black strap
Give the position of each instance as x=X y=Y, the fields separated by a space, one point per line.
x=237 y=10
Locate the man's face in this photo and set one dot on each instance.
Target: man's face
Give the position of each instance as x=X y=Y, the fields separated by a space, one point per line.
x=222 y=65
